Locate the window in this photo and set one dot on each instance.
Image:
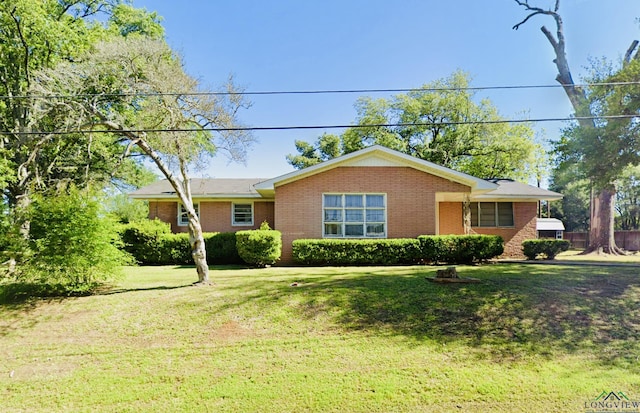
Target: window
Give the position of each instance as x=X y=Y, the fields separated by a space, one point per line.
x=492 y=214
x=242 y=214
x=354 y=215
x=183 y=218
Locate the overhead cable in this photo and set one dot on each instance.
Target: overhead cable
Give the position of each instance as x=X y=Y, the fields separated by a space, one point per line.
x=303 y=127
x=319 y=92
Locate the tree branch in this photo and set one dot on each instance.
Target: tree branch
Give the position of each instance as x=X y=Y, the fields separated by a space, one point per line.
x=25 y=46
x=535 y=10
x=630 y=50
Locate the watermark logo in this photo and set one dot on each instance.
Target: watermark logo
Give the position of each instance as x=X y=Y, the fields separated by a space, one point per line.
x=612 y=402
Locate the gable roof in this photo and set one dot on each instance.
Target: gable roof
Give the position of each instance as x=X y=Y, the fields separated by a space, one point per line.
x=481 y=190
x=202 y=188
x=512 y=190
x=378 y=156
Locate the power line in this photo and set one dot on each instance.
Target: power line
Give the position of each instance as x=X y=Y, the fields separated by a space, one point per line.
x=319 y=92
x=303 y=127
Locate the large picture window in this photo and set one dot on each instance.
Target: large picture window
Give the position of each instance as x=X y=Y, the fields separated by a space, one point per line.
x=492 y=214
x=242 y=214
x=354 y=215
x=183 y=217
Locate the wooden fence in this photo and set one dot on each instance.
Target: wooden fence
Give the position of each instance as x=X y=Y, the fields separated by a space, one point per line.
x=628 y=240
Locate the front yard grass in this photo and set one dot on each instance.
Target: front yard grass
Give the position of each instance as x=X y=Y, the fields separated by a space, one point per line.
x=528 y=338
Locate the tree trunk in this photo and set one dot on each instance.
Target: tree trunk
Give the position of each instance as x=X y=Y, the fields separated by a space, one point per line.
x=198 y=250
x=601 y=231
x=466 y=215
x=602 y=217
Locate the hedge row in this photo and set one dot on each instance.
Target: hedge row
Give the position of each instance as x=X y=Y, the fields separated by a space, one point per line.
x=152 y=243
x=548 y=248
x=460 y=249
x=356 y=252
x=450 y=249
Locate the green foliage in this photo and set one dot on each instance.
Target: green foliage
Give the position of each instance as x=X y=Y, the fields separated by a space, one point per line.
x=440 y=123
x=460 y=249
x=143 y=240
x=37 y=35
x=259 y=247
x=126 y=20
x=573 y=209
x=221 y=248
x=628 y=199
x=327 y=147
x=356 y=252
x=152 y=243
x=73 y=246
x=602 y=150
x=125 y=210
x=548 y=248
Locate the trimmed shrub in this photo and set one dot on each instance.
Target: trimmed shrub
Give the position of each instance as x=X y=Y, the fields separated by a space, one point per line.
x=356 y=252
x=259 y=247
x=460 y=249
x=152 y=243
x=221 y=248
x=143 y=240
x=175 y=249
x=548 y=248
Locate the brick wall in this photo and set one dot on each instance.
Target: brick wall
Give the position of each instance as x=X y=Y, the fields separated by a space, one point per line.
x=411 y=205
x=524 y=214
x=214 y=216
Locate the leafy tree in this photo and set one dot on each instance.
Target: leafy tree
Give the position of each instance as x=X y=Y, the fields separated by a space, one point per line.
x=440 y=123
x=601 y=148
x=573 y=209
x=136 y=92
x=327 y=147
x=38 y=34
x=72 y=244
x=628 y=199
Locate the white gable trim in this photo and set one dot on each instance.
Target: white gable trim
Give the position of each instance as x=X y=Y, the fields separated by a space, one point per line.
x=378 y=156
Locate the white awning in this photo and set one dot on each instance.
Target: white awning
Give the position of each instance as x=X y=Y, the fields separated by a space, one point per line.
x=549 y=224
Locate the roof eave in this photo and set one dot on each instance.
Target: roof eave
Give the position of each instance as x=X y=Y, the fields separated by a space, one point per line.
x=476 y=184
x=521 y=198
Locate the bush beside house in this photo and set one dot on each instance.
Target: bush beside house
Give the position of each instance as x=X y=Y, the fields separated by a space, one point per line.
x=450 y=249
x=356 y=252
x=152 y=243
x=460 y=249
x=260 y=247
x=548 y=248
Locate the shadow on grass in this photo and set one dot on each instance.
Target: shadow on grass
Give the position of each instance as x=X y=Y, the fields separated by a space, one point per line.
x=516 y=310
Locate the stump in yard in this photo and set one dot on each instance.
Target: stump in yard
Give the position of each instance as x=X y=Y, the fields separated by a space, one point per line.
x=450 y=275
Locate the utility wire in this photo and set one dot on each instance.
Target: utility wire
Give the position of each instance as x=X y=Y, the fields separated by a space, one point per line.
x=319 y=92
x=302 y=127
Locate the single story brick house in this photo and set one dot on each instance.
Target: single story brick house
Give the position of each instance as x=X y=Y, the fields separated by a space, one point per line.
x=372 y=193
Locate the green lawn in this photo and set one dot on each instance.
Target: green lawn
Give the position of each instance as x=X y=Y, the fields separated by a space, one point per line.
x=528 y=338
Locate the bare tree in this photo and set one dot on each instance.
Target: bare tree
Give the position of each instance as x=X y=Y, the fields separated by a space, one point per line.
x=603 y=204
x=137 y=91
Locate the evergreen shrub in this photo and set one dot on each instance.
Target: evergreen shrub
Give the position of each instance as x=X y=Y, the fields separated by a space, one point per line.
x=460 y=249
x=259 y=247
x=356 y=251
x=548 y=248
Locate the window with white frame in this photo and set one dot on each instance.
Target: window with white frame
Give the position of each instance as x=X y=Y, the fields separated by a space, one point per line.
x=242 y=214
x=183 y=217
x=492 y=214
x=354 y=215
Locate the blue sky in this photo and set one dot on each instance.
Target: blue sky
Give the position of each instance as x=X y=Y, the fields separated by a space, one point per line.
x=286 y=45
